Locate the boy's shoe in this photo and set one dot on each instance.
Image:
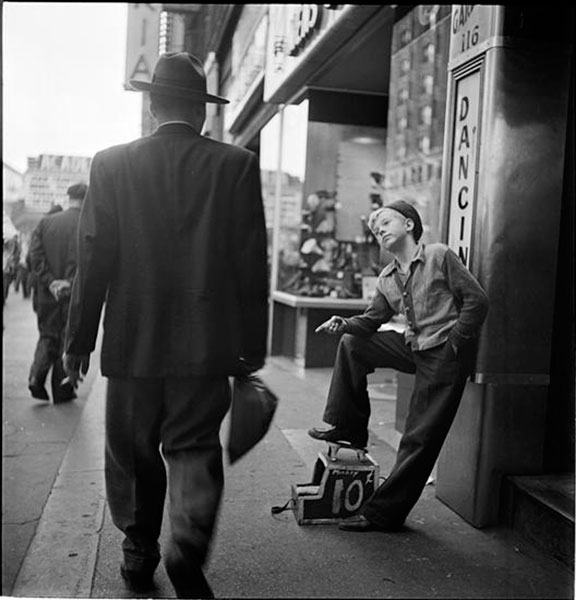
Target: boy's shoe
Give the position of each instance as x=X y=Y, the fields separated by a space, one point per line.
x=336 y=435
x=360 y=523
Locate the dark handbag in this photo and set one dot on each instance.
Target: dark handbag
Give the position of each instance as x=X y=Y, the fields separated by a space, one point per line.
x=252 y=411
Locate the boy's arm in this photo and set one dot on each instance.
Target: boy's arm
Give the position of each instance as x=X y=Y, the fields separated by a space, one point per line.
x=471 y=298
x=377 y=312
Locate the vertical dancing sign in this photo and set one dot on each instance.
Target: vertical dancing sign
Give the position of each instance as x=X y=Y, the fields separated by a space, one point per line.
x=463 y=168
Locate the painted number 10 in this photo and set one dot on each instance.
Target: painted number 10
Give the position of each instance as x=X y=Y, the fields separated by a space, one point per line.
x=470 y=38
x=347 y=495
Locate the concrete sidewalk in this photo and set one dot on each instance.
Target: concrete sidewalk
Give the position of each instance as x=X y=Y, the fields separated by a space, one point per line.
x=76 y=550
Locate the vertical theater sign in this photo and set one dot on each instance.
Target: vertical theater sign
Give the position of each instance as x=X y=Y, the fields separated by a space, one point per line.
x=463 y=179
x=472 y=29
x=143 y=41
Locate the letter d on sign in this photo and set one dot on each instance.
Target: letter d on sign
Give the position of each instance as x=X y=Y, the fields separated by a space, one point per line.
x=464 y=106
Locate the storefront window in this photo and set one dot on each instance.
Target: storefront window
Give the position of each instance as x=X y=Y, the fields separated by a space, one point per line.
x=292 y=173
x=321 y=180
x=269 y=152
x=344 y=182
x=283 y=164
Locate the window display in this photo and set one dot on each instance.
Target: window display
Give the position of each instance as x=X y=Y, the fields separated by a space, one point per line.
x=320 y=183
x=338 y=255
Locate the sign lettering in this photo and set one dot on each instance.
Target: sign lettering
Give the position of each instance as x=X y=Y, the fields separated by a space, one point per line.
x=352 y=495
x=463 y=177
x=141 y=68
x=460 y=16
x=304 y=23
x=295 y=29
x=472 y=26
x=143 y=38
x=67 y=164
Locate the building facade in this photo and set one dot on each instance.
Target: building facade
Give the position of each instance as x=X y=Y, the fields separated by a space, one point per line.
x=12 y=184
x=47 y=178
x=467 y=112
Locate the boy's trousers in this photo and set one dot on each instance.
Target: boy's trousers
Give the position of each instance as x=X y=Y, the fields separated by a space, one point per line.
x=440 y=377
x=165 y=434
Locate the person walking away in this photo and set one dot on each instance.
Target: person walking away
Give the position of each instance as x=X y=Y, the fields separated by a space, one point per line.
x=173 y=236
x=23 y=279
x=444 y=307
x=33 y=279
x=10 y=254
x=53 y=262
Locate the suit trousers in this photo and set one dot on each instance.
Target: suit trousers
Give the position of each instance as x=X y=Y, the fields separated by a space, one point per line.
x=164 y=434
x=440 y=377
x=51 y=316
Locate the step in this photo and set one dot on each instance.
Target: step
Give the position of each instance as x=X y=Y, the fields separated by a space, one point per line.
x=541 y=508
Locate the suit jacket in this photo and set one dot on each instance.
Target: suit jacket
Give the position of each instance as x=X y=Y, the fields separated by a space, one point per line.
x=172 y=237
x=53 y=250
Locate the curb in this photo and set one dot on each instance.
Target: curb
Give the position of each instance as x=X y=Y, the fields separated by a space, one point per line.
x=62 y=556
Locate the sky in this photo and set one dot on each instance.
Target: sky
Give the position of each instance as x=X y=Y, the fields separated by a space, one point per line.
x=63 y=68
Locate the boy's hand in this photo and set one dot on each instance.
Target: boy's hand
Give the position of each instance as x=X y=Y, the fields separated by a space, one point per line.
x=333 y=325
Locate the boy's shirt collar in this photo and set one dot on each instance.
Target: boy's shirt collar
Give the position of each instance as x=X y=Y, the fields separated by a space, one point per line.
x=395 y=265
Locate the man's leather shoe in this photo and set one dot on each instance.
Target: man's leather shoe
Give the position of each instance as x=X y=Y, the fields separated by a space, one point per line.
x=189 y=580
x=137 y=581
x=360 y=523
x=336 y=435
x=37 y=390
x=197 y=586
x=64 y=393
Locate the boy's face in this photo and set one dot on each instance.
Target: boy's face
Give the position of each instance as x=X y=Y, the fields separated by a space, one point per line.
x=391 y=229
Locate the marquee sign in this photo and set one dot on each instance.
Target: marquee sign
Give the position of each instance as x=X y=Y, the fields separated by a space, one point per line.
x=143 y=41
x=473 y=29
x=294 y=30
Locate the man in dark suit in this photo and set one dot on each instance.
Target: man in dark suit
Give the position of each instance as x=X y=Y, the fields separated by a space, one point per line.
x=172 y=235
x=53 y=261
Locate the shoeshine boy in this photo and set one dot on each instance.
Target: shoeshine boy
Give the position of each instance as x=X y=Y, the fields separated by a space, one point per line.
x=444 y=306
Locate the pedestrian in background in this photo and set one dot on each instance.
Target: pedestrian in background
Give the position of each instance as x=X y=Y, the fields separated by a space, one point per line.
x=33 y=279
x=53 y=262
x=10 y=260
x=23 y=278
x=173 y=236
x=444 y=307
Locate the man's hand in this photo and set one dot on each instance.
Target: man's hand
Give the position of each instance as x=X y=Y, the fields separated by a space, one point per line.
x=334 y=325
x=76 y=366
x=59 y=287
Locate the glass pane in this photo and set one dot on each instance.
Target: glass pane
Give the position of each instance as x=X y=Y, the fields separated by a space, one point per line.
x=269 y=146
x=344 y=183
x=293 y=167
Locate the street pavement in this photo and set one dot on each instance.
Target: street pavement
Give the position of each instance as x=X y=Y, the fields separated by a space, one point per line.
x=35 y=436
x=59 y=542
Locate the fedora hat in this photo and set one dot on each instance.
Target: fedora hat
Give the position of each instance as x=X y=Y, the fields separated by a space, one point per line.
x=178 y=74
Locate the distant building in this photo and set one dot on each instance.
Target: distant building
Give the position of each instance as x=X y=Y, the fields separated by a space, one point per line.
x=12 y=184
x=48 y=177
